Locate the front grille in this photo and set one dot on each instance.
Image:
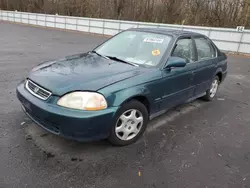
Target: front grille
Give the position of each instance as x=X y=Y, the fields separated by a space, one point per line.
x=37 y=91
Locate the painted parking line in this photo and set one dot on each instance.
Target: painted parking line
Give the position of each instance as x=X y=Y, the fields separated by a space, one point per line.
x=173 y=114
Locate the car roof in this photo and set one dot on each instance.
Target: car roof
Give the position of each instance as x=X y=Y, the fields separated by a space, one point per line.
x=172 y=32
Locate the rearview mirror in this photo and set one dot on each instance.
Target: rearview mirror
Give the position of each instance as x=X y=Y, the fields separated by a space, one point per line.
x=176 y=62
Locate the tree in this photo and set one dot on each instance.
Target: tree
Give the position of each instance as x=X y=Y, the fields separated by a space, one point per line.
x=221 y=13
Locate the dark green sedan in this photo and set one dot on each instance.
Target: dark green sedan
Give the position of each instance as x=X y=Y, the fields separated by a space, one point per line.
x=113 y=91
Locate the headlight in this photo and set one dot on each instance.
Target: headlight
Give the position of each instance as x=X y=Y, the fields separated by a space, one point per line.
x=83 y=101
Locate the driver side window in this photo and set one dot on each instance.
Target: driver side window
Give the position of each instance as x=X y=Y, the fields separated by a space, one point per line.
x=184 y=49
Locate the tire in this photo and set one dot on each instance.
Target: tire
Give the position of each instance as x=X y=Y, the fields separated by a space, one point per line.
x=124 y=123
x=209 y=96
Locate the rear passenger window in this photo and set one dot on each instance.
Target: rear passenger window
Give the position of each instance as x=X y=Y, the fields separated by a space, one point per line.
x=184 y=49
x=205 y=49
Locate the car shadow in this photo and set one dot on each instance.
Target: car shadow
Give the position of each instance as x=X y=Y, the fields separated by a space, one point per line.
x=55 y=144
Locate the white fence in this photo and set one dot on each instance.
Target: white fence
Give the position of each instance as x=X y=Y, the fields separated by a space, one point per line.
x=226 y=39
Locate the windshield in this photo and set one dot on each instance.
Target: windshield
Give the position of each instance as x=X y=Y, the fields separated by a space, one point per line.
x=140 y=48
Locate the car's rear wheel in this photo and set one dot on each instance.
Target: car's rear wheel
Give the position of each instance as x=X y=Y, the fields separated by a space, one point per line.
x=130 y=123
x=211 y=93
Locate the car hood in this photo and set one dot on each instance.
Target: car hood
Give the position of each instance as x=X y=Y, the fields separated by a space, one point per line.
x=88 y=72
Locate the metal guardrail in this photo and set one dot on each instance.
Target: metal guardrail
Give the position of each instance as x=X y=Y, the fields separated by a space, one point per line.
x=226 y=39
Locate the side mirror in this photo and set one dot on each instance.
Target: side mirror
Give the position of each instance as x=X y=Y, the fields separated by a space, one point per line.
x=176 y=62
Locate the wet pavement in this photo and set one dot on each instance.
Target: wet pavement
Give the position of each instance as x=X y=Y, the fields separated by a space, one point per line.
x=201 y=144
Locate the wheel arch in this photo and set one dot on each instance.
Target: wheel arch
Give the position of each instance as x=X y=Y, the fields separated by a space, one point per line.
x=218 y=73
x=141 y=98
x=140 y=93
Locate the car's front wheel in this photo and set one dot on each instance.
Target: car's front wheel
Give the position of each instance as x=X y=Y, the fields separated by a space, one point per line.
x=210 y=94
x=130 y=123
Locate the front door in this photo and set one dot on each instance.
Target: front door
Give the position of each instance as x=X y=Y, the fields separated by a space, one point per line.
x=178 y=83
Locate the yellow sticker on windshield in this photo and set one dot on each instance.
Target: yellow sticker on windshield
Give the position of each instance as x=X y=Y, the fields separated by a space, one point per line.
x=156 y=52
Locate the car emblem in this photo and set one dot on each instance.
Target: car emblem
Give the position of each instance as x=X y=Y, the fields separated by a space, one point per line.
x=36 y=89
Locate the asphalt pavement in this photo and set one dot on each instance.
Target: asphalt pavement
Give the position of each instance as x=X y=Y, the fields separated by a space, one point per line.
x=200 y=144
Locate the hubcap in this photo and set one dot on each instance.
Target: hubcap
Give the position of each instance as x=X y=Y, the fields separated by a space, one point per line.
x=214 y=88
x=129 y=124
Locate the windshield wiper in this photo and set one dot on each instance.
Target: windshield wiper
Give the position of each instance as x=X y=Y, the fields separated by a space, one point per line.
x=118 y=59
x=99 y=54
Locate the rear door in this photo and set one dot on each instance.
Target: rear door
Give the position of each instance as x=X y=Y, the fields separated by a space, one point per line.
x=206 y=58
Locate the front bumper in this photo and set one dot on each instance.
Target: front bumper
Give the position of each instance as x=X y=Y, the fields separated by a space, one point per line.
x=69 y=123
